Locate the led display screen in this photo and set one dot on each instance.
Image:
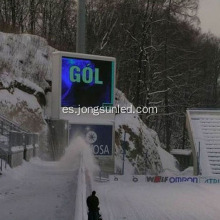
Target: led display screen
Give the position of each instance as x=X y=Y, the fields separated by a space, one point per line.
x=87 y=82
x=99 y=137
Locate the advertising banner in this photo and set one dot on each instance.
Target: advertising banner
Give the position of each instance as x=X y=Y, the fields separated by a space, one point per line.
x=155 y=179
x=211 y=180
x=164 y=179
x=99 y=137
x=172 y=179
x=127 y=178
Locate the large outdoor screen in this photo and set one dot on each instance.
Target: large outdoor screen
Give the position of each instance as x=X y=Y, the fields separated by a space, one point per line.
x=99 y=137
x=87 y=82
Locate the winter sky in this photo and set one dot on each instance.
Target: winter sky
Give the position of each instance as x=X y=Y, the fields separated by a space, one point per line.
x=209 y=14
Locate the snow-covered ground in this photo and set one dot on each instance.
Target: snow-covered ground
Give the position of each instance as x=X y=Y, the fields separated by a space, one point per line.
x=158 y=201
x=128 y=200
x=48 y=191
x=37 y=190
x=40 y=190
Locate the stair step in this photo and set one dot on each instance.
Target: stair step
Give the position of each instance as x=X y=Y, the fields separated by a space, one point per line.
x=216 y=169
x=208 y=141
x=213 y=148
x=214 y=160
x=211 y=152
x=215 y=164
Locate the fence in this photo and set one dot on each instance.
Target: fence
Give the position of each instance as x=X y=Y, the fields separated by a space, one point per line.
x=11 y=136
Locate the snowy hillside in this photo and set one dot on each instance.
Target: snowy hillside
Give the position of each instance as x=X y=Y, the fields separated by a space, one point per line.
x=25 y=74
x=143 y=148
x=24 y=69
x=26 y=56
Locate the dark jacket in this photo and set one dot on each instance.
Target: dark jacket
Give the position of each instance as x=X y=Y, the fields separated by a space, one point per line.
x=92 y=203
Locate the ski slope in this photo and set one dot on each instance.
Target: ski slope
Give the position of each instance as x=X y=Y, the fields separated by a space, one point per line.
x=38 y=190
x=158 y=201
x=45 y=190
x=41 y=190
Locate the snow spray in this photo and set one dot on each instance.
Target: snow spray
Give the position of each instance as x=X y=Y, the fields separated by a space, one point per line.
x=79 y=148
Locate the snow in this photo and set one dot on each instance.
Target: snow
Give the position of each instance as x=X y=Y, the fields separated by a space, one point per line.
x=17 y=149
x=26 y=56
x=52 y=191
x=187 y=172
x=133 y=126
x=29 y=147
x=80 y=194
x=150 y=140
x=13 y=99
x=30 y=84
x=185 y=152
x=43 y=190
x=141 y=201
x=6 y=79
x=37 y=190
x=22 y=108
x=129 y=169
x=169 y=163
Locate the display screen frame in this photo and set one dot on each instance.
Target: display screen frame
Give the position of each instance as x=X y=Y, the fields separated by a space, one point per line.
x=97 y=92
x=56 y=108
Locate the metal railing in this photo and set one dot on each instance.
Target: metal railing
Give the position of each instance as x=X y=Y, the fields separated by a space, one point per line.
x=11 y=135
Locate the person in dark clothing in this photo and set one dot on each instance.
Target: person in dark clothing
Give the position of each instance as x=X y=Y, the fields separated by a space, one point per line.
x=93 y=203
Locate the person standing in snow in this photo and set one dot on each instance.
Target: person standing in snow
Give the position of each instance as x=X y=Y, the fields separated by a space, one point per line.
x=93 y=203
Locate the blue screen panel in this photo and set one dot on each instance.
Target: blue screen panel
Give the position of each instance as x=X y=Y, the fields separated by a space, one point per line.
x=87 y=83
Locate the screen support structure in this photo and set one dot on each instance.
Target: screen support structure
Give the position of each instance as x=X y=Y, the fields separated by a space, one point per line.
x=81 y=27
x=103 y=71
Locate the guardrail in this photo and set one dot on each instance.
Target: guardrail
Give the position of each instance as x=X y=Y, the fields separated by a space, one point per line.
x=12 y=135
x=80 y=207
x=7 y=125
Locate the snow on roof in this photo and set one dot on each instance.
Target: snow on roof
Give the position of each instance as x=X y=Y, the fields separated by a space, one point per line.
x=29 y=147
x=28 y=83
x=185 y=152
x=17 y=149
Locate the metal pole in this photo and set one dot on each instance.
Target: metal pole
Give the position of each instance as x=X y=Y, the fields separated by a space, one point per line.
x=100 y=172
x=145 y=163
x=198 y=158
x=81 y=27
x=123 y=164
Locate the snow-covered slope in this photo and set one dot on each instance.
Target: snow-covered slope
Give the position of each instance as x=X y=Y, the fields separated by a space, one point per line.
x=143 y=148
x=124 y=200
x=25 y=67
x=26 y=56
